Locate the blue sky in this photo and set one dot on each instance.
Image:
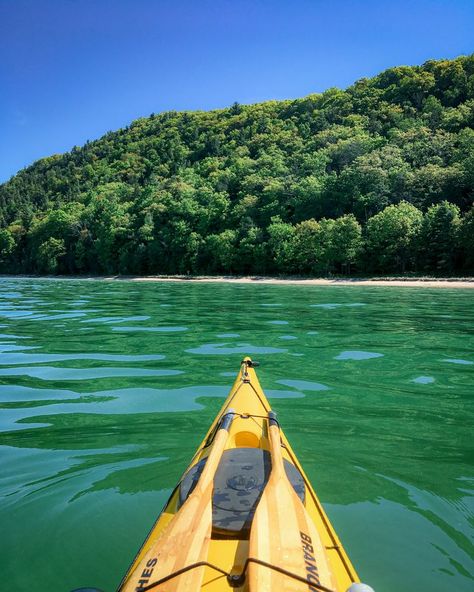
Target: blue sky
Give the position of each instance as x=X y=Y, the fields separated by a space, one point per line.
x=70 y=70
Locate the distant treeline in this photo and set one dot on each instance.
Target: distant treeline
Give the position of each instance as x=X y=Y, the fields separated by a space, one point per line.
x=378 y=178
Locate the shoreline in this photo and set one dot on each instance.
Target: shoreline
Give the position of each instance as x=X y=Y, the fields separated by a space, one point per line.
x=413 y=282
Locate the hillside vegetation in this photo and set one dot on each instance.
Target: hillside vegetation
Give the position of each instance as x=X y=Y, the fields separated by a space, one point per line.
x=375 y=178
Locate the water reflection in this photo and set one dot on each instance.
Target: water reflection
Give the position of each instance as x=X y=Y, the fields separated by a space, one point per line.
x=423 y=380
x=54 y=373
x=150 y=329
x=357 y=355
x=458 y=361
x=304 y=385
x=21 y=358
x=241 y=348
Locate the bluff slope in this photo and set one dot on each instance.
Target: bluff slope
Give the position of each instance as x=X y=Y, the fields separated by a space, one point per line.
x=375 y=178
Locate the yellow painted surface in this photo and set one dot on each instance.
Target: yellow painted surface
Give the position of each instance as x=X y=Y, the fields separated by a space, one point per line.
x=249 y=429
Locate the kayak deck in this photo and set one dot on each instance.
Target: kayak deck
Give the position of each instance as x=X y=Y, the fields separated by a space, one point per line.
x=238 y=484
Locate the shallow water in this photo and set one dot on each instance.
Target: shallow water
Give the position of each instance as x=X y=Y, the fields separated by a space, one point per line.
x=106 y=389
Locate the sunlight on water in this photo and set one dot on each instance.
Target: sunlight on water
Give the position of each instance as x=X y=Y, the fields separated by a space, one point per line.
x=457 y=361
x=150 y=329
x=423 y=380
x=106 y=389
x=304 y=385
x=210 y=349
x=357 y=355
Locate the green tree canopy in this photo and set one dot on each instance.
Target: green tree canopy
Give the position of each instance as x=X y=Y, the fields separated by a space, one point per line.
x=391 y=237
x=438 y=237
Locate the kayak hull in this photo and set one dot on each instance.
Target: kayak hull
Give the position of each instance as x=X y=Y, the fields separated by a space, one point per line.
x=228 y=547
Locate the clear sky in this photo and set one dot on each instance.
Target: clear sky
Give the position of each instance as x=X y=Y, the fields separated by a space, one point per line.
x=70 y=70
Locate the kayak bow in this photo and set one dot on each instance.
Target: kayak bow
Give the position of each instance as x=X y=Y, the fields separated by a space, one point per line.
x=244 y=515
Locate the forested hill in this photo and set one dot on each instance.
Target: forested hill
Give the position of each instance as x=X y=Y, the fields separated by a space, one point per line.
x=375 y=178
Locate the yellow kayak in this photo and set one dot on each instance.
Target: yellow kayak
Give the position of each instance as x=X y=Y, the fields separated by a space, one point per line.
x=244 y=515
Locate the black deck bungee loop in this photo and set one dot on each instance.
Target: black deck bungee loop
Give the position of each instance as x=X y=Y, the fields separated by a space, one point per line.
x=235 y=580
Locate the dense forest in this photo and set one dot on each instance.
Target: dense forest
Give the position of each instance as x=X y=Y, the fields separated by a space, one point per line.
x=377 y=178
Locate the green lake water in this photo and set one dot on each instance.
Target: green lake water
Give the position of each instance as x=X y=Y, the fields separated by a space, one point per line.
x=107 y=388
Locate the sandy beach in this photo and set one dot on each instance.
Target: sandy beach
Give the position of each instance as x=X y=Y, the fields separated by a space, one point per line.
x=397 y=282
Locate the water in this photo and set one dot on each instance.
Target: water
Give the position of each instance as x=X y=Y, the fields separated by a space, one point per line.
x=107 y=388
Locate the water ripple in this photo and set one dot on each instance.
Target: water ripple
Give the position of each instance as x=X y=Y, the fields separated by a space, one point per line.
x=243 y=348
x=357 y=355
x=116 y=320
x=304 y=385
x=458 y=361
x=21 y=358
x=170 y=329
x=119 y=401
x=55 y=317
x=53 y=373
x=9 y=336
x=423 y=380
x=4 y=347
x=328 y=305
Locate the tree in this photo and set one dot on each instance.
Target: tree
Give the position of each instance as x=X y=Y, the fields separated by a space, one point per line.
x=281 y=237
x=251 y=256
x=15 y=258
x=391 y=238
x=438 y=237
x=218 y=252
x=49 y=253
x=345 y=243
x=431 y=182
x=308 y=248
x=466 y=239
x=62 y=224
x=373 y=180
x=108 y=221
x=406 y=85
x=7 y=244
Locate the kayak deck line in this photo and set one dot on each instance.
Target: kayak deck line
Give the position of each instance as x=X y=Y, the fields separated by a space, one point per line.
x=241 y=477
x=235 y=580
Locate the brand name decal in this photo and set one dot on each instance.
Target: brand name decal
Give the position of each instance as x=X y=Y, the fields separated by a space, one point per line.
x=312 y=575
x=146 y=575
